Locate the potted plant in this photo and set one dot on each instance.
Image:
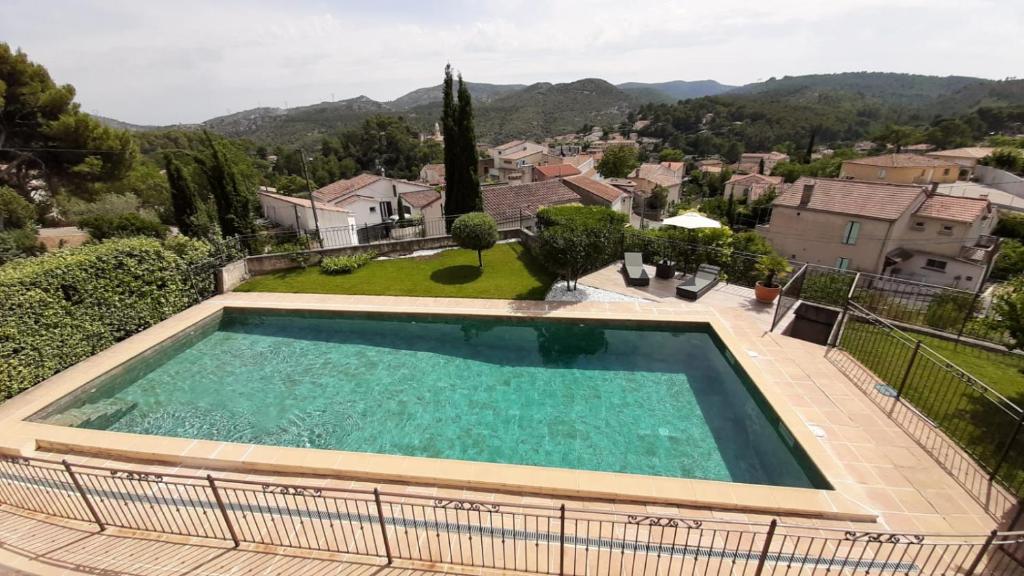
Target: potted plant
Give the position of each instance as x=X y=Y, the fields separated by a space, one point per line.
x=767 y=290
x=665 y=268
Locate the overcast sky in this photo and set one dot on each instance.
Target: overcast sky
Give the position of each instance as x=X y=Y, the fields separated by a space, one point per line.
x=152 y=62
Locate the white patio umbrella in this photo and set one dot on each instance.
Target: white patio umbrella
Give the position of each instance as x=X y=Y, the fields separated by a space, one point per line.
x=691 y=221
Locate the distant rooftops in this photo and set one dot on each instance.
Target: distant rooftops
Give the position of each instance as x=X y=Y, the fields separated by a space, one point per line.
x=584 y=184
x=877 y=200
x=975 y=152
x=502 y=199
x=557 y=170
x=953 y=208
x=899 y=161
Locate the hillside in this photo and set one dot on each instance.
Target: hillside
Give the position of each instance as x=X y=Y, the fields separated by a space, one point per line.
x=675 y=90
x=480 y=92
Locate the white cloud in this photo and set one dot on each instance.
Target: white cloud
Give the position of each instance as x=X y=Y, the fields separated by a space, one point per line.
x=185 y=61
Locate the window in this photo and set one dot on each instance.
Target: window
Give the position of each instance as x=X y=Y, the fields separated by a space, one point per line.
x=881 y=173
x=850 y=232
x=919 y=225
x=843 y=263
x=934 y=264
x=947 y=229
x=373 y=209
x=386 y=209
x=945 y=172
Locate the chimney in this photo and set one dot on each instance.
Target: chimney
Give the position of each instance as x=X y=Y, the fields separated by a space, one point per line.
x=807 y=192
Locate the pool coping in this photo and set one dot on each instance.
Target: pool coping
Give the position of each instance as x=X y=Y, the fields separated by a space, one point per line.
x=25 y=437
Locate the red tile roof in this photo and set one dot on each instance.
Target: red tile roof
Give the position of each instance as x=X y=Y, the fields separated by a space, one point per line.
x=420 y=198
x=557 y=170
x=337 y=190
x=757 y=178
x=900 y=161
x=504 y=199
x=877 y=200
x=955 y=208
x=585 y=185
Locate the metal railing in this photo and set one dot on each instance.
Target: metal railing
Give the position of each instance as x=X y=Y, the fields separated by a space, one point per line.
x=480 y=534
x=980 y=420
x=789 y=296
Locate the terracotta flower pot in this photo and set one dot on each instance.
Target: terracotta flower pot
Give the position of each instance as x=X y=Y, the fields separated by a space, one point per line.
x=765 y=294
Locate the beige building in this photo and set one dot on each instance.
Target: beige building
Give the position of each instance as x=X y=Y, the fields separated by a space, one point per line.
x=595 y=192
x=750 y=187
x=901 y=169
x=896 y=230
x=513 y=161
x=750 y=163
x=432 y=174
x=668 y=175
x=966 y=158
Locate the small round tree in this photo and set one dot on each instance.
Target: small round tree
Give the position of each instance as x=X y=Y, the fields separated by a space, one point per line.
x=475 y=231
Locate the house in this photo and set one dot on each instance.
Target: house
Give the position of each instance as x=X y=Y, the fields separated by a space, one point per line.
x=553 y=171
x=900 y=169
x=966 y=158
x=508 y=201
x=710 y=166
x=750 y=187
x=750 y=163
x=432 y=174
x=649 y=176
x=514 y=161
x=900 y=230
x=297 y=214
x=595 y=192
x=585 y=163
x=373 y=199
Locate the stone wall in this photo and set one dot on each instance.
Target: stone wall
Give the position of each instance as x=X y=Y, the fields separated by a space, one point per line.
x=268 y=263
x=229 y=277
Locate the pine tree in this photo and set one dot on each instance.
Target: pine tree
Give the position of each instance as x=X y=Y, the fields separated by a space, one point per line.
x=232 y=196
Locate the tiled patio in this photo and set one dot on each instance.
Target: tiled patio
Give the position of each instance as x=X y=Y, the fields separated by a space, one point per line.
x=877 y=462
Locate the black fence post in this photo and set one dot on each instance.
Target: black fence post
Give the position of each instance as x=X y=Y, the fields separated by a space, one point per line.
x=561 y=542
x=383 y=530
x=85 y=497
x=1006 y=449
x=223 y=510
x=767 y=544
x=981 y=553
x=910 y=366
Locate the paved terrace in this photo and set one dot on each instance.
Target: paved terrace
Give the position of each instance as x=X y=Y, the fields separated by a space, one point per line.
x=880 y=464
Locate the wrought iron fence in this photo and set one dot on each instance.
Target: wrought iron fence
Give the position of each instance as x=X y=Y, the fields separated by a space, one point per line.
x=480 y=534
x=893 y=363
x=789 y=296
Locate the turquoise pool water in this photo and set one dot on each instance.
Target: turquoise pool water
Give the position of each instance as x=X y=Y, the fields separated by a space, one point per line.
x=593 y=397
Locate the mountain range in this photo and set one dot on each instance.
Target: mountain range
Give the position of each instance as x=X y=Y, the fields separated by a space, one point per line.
x=506 y=111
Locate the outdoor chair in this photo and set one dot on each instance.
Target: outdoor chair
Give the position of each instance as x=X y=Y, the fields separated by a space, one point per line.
x=633 y=268
x=696 y=285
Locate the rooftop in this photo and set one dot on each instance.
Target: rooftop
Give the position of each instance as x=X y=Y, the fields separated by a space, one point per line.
x=557 y=170
x=596 y=188
x=504 y=199
x=420 y=198
x=878 y=200
x=657 y=173
x=899 y=161
x=337 y=190
x=304 y=202
x=975 y=152
x=756 y=179
x=956 y=209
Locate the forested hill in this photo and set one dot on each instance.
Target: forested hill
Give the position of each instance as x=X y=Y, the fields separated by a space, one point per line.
x=846 y=105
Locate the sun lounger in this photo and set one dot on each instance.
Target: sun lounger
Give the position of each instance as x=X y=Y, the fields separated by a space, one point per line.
x=696 y=285
x=633 y=268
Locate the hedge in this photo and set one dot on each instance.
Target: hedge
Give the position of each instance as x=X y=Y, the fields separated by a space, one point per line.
x=346 y=264
x=60 y=308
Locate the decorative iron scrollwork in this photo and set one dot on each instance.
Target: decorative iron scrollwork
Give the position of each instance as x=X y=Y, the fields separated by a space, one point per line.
x=15 y=460
x=141 y=476
x=885 y=538
x=663 y=522
x=466 y=505
x=290 y=491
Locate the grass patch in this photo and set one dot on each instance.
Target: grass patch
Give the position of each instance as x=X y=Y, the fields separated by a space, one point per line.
x=509 y=272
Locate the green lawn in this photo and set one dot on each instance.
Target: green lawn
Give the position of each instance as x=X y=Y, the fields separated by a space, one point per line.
x=509 y=272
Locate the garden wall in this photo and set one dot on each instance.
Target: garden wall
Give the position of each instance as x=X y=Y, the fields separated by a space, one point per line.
x=267 y=263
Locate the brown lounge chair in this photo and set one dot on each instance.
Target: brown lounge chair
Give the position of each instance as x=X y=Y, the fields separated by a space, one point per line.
x=696 y=285
x=633 y=269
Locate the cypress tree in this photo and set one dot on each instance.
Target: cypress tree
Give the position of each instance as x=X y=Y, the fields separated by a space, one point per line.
x=451 y=142
x=467 y=150
x=184 y=200
x=462 y=184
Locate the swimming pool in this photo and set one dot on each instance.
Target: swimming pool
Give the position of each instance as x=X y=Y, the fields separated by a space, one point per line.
x=607 y=397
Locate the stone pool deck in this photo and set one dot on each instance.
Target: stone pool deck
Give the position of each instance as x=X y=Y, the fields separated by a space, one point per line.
x=878 y=468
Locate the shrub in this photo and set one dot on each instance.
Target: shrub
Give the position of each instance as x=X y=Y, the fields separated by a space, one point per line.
x=475 y=231
x=21 y=243
x=15 y=211
x=1010 y=225
x=948 y=310
x=346 y=264
x=1009 y=261
x=575 y=240
x=583 y=215
x=60 y=308
x=125 y=225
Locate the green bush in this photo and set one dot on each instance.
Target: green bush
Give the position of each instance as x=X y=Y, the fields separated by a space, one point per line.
x=475 y=231
x=15 y=211
x=583 y=215
x=125 y=225
x=346 y=264
x=948 y=310
x=576 y=240
x=1010 y=225
x=63 y=307
x=21 y=243
x=1009 y=261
